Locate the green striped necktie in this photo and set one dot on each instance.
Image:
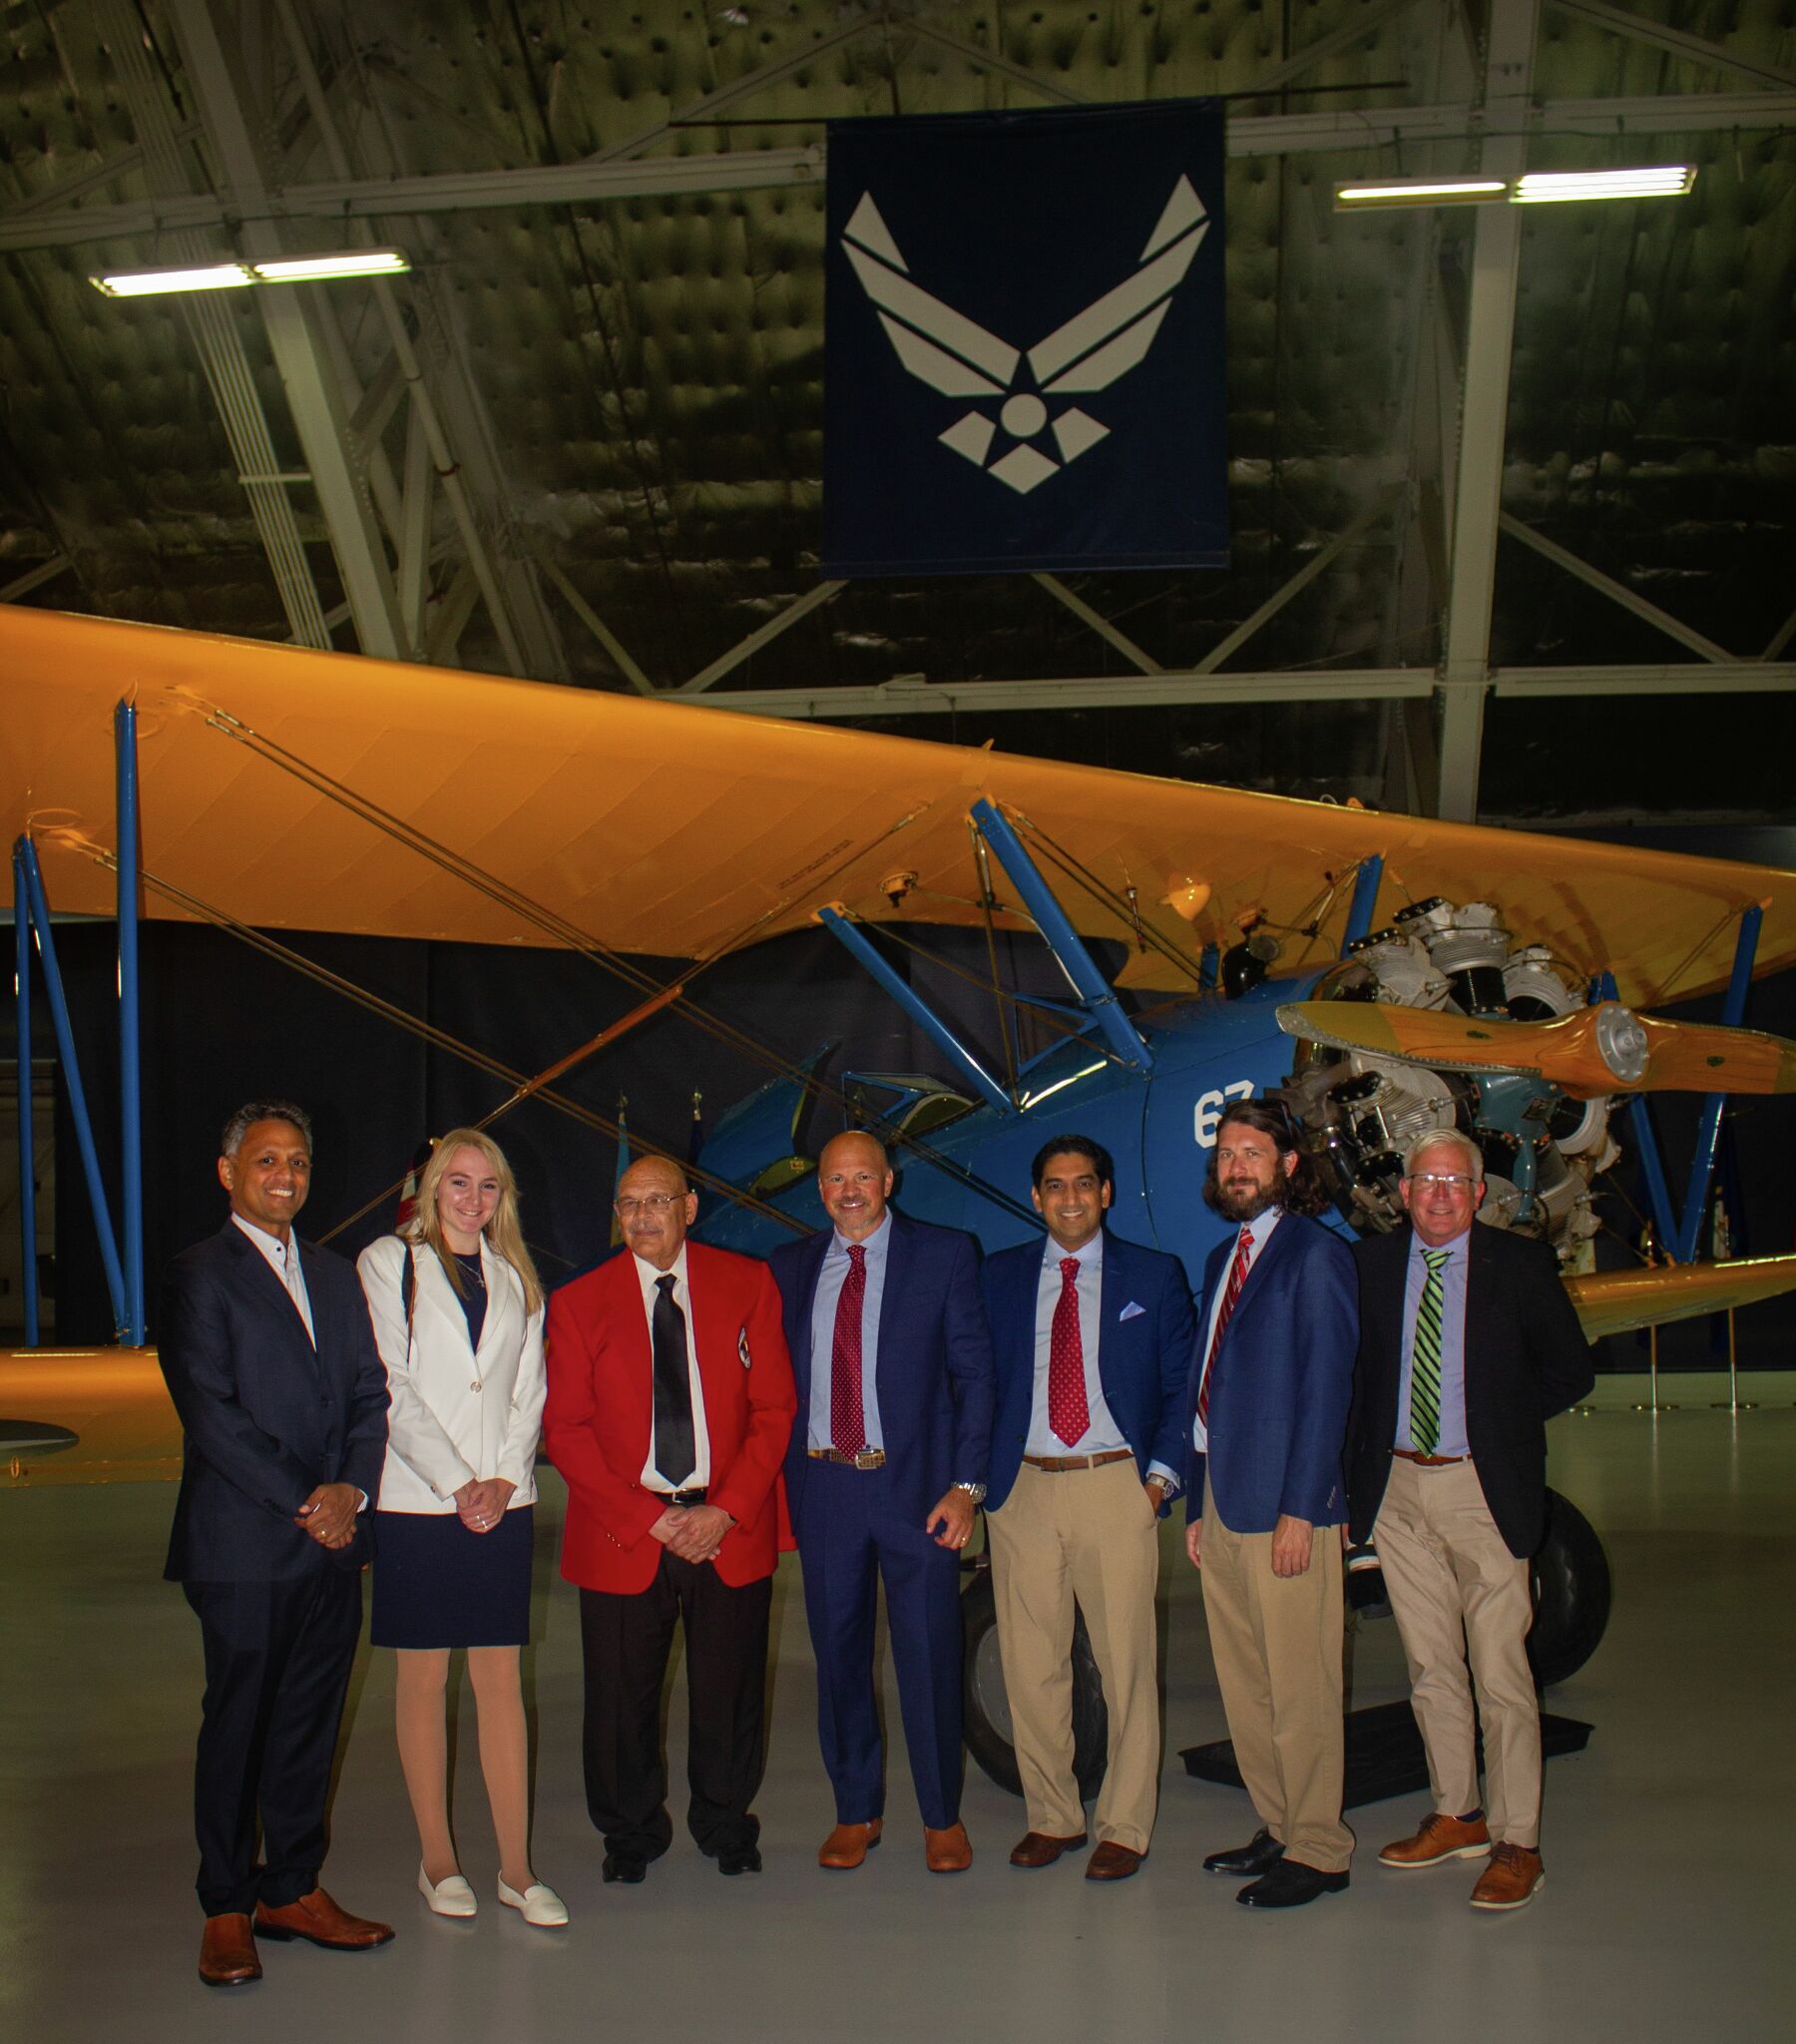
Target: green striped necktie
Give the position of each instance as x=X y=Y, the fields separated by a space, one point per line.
x=1425 y=1356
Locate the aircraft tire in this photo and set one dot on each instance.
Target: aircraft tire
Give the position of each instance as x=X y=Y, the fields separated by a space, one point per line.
x=1570 y=1577
x=987 y=1708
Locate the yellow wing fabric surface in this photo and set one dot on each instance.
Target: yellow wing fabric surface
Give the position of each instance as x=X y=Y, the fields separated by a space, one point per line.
x=678 y=829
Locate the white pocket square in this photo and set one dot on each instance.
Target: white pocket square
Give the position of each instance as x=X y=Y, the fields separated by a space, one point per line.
x=1131 y=1311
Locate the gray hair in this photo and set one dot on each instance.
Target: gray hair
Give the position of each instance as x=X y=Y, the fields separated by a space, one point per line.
x=253 y=1111
x=1457 y=1139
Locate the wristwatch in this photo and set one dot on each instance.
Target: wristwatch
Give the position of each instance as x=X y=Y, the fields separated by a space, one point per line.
x=974 y=1491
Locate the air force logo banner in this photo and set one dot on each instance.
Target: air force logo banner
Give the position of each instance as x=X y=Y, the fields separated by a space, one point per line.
x=1023 y=356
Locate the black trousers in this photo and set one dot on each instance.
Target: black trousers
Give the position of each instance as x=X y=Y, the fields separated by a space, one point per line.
x=277 y=1662
x=626 y=1642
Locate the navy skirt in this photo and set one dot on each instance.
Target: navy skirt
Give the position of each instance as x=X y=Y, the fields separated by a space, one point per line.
x=438 y=1585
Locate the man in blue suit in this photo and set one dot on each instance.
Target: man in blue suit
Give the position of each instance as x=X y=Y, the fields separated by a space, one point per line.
x=1277 y=1333
x=1092 y=1336
x=887 y=1462
x=270 y=1360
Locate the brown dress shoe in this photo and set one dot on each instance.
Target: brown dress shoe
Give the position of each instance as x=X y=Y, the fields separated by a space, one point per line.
x=848 y=1844
x=1112 y=1861
x=947 y=1851
x=1511 y=1879
x=1043 y=1848
x=1441 y=1839
x=317 y=1919
x=227 y=1953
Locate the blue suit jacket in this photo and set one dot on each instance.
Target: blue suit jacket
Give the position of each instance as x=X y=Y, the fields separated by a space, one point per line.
x=265 y=1417
x=1144 y=1363
x=1282 y=1384
x=934 y=1380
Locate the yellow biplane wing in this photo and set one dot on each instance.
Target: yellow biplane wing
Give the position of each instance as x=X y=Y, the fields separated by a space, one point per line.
x=679 y=829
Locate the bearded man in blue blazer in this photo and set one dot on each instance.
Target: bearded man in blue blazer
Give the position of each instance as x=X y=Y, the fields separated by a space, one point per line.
x=887 y=1462
x=269 y=1357
x=1277 y=1332
x=1092 y=1336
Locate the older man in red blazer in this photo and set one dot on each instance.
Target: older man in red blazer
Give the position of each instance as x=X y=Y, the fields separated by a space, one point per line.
x=671 y=1402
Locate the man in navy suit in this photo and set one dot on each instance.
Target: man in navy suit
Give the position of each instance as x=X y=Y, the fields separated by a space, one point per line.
x=270 y=1360
x=887 y=1462
x=1270 y=1389
x=1091 y=1337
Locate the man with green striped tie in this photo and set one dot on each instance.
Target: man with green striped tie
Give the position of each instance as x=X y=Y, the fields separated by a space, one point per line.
x=1468 y=1346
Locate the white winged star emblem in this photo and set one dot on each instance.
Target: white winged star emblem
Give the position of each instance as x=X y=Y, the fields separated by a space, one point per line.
x=958 y=357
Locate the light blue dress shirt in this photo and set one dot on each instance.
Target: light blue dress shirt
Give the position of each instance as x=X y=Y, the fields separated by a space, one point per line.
x=823 y=1319
x=1453 y=1341
x=1103 y=1434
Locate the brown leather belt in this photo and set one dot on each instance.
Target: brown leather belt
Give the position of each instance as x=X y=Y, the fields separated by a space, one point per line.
x=868 y=1458
x=1429 y=1461
x=1054 y=1464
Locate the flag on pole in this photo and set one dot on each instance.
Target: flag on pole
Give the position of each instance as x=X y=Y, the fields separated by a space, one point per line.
x=617 y=1231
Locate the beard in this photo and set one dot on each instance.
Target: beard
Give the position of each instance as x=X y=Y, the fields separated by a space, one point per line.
x=1247 y=1201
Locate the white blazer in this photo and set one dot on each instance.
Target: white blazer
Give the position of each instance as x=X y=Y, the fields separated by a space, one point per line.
x=457 y=1415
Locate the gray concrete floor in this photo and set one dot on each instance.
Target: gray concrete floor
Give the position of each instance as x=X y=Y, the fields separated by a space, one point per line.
x=1666 y=1913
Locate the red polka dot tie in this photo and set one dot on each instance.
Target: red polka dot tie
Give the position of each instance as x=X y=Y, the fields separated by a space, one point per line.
x=1067 y=1413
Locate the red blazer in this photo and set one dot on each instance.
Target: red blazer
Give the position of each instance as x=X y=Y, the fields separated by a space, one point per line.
x=600 y=1411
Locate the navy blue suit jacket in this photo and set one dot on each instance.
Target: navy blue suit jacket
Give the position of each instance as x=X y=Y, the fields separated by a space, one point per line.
x=1282 y=1384
x=934 y=1378
x=1143 y=1361
x=265 y=1417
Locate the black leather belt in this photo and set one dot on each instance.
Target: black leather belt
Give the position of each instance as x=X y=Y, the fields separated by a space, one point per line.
x=683 y=1497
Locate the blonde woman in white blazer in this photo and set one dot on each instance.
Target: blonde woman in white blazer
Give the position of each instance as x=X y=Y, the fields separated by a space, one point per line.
x=458 y=1313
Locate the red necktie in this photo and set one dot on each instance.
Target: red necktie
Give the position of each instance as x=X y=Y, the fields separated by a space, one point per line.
x=1067 y=1413
x=847 y=1423
x=1237 y=1277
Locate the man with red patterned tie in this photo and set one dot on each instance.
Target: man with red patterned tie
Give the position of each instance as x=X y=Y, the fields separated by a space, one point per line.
x=1277 y=1331
x=1092 y=1336
x=888 y=1460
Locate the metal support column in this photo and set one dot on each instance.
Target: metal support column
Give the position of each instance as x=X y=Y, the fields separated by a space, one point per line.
x=28 y=1237
x=1093 y=989
x=855 y=942
x=26 y=855
x=1363 y=905
x=1708 y=1125
x=131 y=1118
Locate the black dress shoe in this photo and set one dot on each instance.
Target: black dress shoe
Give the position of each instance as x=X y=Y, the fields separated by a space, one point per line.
x=1261 y=1857
x=740 y=1859
x=1290 y=1883
x=623 y=1866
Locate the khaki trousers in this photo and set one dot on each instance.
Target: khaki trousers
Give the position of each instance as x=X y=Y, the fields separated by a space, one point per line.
x=1277 y=1644
x=1456 y=1589
x=1090 y=1535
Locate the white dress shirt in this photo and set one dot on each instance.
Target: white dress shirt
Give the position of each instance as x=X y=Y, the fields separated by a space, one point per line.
x=1102 y=1435
x=649 y=1277
x=831 y=1280
x=1260 y=1232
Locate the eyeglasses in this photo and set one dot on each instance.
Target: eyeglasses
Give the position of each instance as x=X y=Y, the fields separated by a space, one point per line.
x=1448 y=1181
x=649 y=1203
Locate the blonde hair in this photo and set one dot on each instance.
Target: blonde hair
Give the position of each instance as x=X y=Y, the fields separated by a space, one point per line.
x=504 y=1234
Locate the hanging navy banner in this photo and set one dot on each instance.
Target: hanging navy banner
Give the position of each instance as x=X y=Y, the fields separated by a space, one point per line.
x=1023 y=334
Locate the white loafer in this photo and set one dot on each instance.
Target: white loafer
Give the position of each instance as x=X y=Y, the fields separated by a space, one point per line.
x=449 y=1897
x=538 y=1904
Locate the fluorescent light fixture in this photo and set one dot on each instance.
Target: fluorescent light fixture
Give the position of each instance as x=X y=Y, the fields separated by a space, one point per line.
x=144 y=284
x=1355 y=198
x=1661 y=181
x=315 y=269
x=226 y=276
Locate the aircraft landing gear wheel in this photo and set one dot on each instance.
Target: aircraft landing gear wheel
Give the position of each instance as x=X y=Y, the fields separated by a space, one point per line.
x=987 y=1706
x=1570 y=1577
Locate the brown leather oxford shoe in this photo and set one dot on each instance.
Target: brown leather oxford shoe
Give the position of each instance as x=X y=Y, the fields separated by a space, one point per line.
x=1043 y=1848
x=1440 y=1837
x=227 y=1953
x=947 y=1851
x=1511 y=1879
x=1112 y=1861
x=317 y=1919
x=848 y=1844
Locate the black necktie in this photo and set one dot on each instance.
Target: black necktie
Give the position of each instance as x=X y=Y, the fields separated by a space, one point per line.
x=675 y=1455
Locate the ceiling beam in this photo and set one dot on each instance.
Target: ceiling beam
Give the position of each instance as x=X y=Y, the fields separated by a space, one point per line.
x=1620 y=21
x=1142 y=661
x=1331 y=44
x=1617 y=591
x=814 y=598
x=34 y=578
x=1336 y=131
